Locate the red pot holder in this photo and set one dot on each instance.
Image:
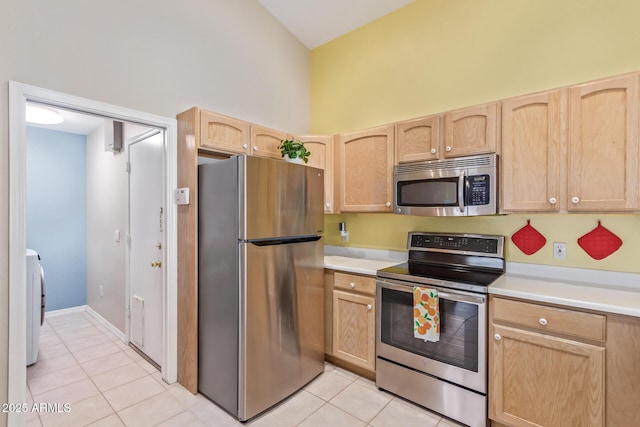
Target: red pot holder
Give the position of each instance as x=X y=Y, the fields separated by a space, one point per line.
x=599 y=243
x=528 y=239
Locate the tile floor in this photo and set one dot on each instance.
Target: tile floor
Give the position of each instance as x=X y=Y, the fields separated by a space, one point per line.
x=106 y=383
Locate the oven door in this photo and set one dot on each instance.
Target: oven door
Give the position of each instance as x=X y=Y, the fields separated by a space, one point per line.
x=460 y=354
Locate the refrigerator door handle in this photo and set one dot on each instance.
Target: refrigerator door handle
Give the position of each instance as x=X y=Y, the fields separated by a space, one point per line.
x=281 y=241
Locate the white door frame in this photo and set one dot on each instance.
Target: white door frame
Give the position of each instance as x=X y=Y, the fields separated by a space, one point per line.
x=19 y=94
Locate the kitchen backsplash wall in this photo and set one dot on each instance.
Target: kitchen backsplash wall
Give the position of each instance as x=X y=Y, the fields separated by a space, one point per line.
x=389 y=231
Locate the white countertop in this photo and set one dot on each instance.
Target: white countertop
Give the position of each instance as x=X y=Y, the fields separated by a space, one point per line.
x=599 y=290
x=360 y=260
x=603 y=295
x=356 y=265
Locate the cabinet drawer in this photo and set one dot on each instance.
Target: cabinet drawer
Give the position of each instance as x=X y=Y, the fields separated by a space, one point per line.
x=366 y=285
x=550 y=319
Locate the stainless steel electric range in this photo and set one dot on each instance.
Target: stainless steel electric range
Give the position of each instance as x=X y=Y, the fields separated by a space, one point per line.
x=448 y=376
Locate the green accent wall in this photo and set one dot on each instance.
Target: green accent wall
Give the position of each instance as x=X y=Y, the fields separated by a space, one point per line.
x=436 y=55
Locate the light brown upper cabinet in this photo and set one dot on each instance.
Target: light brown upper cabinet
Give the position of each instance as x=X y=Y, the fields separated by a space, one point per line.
x=470 y=131
x=265 y=141
x=530 y=160
x=321 y=148
x=365 y=170
x=603 y=145
x=418 y=140
x=224 y=134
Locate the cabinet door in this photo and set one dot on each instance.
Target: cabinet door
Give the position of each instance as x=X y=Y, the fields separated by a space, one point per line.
x=354 y=337
x=530 y=160
x=223 y=134
x=265 y=141
x=541 y=380
x=623 y=371
x=366 y=170
x=470 y=131
x=603 y=145
x=321 y=148
x=418 y=140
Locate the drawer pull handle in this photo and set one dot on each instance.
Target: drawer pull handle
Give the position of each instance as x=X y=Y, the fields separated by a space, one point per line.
x=369 y=307
x=543 y=321
x=352 y=285
x=497 y=337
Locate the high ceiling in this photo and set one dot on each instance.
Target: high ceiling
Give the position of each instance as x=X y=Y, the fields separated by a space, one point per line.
x=315 y=22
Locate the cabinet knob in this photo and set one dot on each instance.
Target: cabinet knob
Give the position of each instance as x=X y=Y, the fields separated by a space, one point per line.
x=433 y=151
x=575 y=199
x=352 y=285
x=388 y=204
x=543 y=321
x=497 y=337
x=448 y=148
x=553 y=200
x=244 y=145
x=255 y=148
x=369 y=307
x=328 y=205
x=399 y=210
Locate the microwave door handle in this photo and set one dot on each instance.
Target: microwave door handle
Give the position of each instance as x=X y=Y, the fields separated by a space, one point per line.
x=461 y=191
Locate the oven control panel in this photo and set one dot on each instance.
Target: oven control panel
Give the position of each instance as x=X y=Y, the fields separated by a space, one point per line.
x=462 y=243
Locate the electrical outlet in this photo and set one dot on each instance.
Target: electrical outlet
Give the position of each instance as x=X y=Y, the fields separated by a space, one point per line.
x=559 y=250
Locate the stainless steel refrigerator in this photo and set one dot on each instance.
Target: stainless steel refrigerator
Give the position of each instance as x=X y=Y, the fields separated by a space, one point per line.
x=260 y=302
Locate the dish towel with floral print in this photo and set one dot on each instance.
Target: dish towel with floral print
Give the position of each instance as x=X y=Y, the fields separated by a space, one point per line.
x=426 y=314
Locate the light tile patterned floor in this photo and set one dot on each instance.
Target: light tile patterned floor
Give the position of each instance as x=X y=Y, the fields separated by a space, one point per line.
x=106 y=383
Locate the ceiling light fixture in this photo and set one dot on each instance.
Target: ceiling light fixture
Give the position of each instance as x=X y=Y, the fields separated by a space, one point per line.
x=42 y=116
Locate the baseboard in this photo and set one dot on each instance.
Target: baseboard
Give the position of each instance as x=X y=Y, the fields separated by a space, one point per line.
x=104 y=322
x=54 y=313
x=86 y=309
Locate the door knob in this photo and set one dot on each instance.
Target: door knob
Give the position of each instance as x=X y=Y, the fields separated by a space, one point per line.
x=156 y=264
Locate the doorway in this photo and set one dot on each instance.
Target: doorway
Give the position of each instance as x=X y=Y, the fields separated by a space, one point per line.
x=19 y=95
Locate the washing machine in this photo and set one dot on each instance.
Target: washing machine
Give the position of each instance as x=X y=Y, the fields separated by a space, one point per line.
x=35 y=304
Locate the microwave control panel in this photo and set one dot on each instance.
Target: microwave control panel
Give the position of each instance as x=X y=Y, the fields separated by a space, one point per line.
x=477 y=190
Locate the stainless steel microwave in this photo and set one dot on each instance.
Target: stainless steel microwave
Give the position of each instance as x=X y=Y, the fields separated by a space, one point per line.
x=462 y=186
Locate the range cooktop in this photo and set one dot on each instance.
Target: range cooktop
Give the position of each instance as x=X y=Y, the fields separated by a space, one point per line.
x=461 y=261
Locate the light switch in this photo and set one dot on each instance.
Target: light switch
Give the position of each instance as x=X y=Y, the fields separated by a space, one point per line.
x=117 y=236
x=181 y=196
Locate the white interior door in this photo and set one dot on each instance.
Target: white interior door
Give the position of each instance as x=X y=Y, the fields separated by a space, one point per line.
x=146 y=233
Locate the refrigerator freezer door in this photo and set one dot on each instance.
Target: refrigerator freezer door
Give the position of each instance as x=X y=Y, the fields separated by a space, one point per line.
x=281 y=322
x=280 y=199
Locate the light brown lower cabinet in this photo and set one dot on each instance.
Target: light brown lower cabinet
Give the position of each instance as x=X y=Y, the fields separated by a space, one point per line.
x=350 y=321
x=547 y=369
x=542 y=380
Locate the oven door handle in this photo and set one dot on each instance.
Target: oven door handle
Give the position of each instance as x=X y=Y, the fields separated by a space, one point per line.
x=462 y=298
x=452 y=296
x=461 y=191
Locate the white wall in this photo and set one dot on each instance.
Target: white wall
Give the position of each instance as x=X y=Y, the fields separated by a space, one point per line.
x=159 y=56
